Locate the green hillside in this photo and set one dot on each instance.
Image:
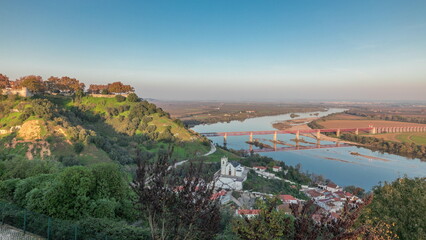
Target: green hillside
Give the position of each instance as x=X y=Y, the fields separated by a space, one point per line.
x=87 y=130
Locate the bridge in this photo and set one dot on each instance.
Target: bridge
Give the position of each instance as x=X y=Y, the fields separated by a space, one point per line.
x=297 y=147
x=317 y=133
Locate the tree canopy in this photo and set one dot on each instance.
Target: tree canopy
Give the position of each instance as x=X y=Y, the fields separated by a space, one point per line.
x=4 y=81
x=32 y=82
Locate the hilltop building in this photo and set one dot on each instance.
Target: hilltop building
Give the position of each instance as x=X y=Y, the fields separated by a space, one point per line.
x=232 y=175
x=23 y=92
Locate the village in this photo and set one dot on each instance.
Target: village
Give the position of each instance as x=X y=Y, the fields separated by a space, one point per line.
x=229 y=180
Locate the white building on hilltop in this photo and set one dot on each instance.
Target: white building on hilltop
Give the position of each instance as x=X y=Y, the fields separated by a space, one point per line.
x=232 y=175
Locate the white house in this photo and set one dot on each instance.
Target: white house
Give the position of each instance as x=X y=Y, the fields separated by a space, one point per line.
x=260 y=168
x=277 y=168
x=232 y=175
x=288 y=199
x=331 y=186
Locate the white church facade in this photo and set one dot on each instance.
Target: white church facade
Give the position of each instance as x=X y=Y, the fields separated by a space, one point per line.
x=232 y=175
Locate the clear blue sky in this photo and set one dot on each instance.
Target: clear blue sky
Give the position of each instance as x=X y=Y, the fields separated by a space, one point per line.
x=224 y=50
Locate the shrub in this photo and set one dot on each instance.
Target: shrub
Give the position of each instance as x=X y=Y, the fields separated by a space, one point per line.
x=132 y=97
x=120 y=98
x=78 y=147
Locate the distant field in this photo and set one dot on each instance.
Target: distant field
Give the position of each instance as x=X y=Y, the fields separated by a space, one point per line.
x=211 y=112
x=417 y=138
x=365 y=123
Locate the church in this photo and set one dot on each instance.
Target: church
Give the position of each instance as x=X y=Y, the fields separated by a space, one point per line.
x=232 y=175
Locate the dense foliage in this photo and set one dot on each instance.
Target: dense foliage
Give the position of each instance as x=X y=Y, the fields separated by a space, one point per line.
x=402 y=205
x=405 y=149
x=73 y=193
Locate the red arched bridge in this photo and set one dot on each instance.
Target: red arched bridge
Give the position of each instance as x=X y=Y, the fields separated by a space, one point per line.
x=316 y=132
x=338 y=131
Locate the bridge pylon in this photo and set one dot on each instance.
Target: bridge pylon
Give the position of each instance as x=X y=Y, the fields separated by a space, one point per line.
x=297 y=135
x=356 y=131
x=251 y=137
x=318 y=134
x=275 y=136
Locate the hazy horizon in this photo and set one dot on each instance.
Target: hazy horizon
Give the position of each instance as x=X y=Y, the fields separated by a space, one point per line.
x=224 y=50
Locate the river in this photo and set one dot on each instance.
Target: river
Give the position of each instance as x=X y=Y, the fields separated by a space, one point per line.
x=337 y=164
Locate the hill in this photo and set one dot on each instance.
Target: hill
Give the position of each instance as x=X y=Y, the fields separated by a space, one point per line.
x=85 y=130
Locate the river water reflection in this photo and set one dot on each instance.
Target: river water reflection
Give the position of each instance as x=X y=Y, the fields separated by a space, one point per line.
x=337 y=164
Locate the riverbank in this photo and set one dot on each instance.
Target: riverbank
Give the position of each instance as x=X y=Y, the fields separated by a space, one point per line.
x=302 y=124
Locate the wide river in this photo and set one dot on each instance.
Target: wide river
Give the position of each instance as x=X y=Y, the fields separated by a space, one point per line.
x=337 y=164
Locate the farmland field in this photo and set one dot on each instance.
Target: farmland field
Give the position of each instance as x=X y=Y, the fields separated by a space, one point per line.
x=417 y=138
x=360 y=123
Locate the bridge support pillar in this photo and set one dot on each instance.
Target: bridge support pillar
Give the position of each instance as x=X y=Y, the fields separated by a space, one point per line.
x=297 y=135
x=251 y=137
x=318 y=134
x=356 y=131
x=275 y=136
x=338 y=132
x=224 y=138
x=373 y=130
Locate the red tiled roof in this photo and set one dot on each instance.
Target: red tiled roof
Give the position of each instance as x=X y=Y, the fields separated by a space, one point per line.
x=276 y=167
x=286 y=197
x=218 y=195
x=260 y=167
x=313 y=193
x=248 y=211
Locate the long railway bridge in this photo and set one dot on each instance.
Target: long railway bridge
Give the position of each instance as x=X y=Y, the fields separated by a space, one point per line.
x=316 y=132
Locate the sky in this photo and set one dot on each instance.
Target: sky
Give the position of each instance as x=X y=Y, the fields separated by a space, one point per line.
x=235 y=50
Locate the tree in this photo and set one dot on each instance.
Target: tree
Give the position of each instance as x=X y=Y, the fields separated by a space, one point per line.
x=93 y=88
x=178 y=207
x=269 y=224
x=70 y=195
x=32 y=83
x=118 y=87
x=4 y=81
x=132 y=97
x=64 y=84
x=120 y=98
x=402 y=205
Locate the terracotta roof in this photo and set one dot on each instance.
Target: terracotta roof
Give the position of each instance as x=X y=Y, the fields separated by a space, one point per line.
x=286 y=197
x=248 y=211
x=218 y=195
x=313 y=193
x=260 y=167
x=277 y=167
x=331 y=185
